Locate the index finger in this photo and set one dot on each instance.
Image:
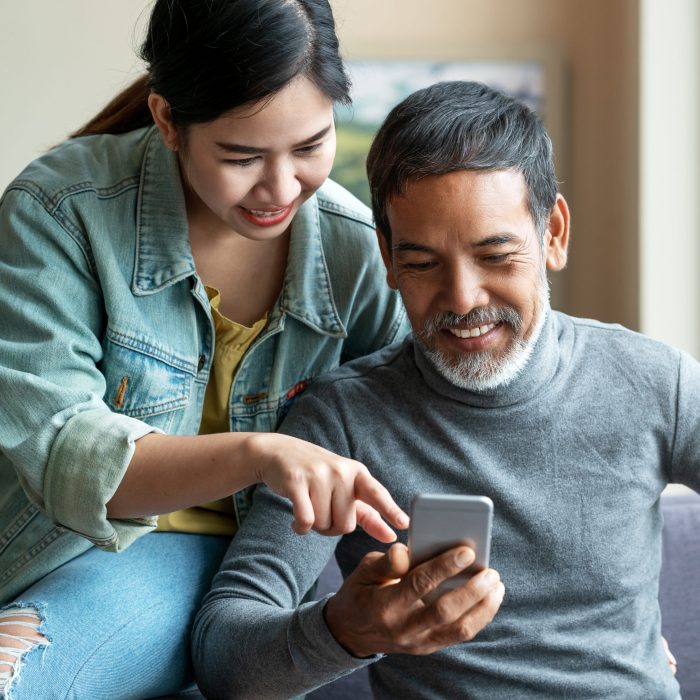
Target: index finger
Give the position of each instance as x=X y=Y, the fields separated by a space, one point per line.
x=369 y=490
x=370 y=521
x=425 y=578
x=452 y=619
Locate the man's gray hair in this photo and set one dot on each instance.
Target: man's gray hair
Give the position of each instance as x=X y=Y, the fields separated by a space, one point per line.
x=460 y=125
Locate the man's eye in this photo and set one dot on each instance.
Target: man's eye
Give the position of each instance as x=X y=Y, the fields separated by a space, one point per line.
x=500 y=257
x=418 y=265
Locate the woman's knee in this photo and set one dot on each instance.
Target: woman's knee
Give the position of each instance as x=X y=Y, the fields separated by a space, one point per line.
x=19 y=635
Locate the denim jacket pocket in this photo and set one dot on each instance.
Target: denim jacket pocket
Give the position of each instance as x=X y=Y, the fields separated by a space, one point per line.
x=144 y=380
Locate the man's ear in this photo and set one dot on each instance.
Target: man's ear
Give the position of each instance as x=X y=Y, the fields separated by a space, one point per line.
x=557 y=235
x=160 y=110
x=386 y=257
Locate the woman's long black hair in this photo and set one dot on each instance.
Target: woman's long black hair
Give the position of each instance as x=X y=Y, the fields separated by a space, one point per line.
x=207 y=57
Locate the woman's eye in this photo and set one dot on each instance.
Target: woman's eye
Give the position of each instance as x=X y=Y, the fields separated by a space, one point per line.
x=308 y=150
x=241 y=162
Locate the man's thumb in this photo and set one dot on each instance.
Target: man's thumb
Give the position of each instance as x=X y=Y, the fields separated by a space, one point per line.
x=378 y=567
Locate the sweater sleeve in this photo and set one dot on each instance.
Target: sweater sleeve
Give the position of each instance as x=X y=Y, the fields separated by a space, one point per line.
x=253 y=637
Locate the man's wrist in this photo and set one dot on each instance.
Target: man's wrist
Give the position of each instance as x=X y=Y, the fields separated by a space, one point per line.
x=336 y=621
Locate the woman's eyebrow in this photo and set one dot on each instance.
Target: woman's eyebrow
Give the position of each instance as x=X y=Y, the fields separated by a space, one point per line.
x=241 y=148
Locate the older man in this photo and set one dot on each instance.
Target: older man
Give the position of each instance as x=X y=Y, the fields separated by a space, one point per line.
x=570 y=426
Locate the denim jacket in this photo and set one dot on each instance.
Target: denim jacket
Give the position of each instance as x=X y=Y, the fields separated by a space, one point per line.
x=106 y=335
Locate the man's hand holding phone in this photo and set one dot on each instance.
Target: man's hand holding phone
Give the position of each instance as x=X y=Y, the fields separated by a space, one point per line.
x=387 y=606
x=380 y=607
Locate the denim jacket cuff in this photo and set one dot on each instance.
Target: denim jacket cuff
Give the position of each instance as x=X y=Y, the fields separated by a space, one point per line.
x=87 y=462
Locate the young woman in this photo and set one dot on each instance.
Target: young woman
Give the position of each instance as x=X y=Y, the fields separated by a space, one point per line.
x=171 y=278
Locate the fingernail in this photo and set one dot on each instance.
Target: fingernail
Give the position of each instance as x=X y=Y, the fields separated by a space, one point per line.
x=402 y=521
x=463 y=558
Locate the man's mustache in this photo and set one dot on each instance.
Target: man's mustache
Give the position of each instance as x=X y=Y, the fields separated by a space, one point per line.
x=480 y=316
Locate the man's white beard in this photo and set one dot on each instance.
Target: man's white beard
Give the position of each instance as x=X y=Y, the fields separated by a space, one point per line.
x=481 y=371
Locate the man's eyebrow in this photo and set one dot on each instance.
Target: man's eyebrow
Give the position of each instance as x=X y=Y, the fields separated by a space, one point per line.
x=404 y=246
x=500 y=239
x=241 y=148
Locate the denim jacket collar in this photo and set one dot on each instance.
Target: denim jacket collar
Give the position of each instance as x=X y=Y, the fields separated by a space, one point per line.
x=307 y=293
x=163 y=253
x=164 y=256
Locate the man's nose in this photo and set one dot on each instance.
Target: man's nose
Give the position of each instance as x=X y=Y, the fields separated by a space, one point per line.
x=464 y=288
x=279 y=185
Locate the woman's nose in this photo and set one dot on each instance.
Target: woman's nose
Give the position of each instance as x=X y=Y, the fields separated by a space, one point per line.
x=280 y=185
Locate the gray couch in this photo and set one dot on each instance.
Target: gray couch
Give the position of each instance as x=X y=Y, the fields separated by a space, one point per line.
x=679 y=597
x=679 y=592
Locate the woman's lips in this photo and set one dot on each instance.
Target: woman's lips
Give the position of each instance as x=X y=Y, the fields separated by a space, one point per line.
x=266 y=217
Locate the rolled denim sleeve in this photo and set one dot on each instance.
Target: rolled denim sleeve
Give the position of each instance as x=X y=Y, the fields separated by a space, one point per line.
x=76 y=493
x=68 y=449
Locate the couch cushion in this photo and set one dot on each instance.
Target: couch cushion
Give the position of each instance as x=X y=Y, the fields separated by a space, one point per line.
x=679 y=590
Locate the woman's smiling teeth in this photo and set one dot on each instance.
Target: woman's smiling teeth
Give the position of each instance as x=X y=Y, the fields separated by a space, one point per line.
x=471 y=332
x=267 y=212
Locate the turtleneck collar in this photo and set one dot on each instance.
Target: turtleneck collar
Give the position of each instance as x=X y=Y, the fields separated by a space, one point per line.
x=537 y=373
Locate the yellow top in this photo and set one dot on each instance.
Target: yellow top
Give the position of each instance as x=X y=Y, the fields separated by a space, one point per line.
x=232 y=341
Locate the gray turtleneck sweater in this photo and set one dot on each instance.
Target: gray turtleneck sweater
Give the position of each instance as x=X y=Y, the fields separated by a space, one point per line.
x=574 y=454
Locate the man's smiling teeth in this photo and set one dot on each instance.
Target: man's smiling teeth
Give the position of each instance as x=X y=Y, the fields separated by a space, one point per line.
x=472 y=332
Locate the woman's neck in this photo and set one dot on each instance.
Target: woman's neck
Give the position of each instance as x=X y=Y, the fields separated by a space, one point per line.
x=249 y=274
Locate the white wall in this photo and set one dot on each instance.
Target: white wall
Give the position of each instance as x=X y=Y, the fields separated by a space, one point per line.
x=670 y=172
x=598 y=43
x=60 y=62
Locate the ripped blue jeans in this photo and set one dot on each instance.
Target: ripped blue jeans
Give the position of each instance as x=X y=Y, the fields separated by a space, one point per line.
x=110 y=626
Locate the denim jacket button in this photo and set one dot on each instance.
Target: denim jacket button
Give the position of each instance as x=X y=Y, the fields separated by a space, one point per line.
x=202 y=361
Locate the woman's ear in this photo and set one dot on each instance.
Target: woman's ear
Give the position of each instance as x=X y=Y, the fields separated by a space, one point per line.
x=557 y=235
x=160 y=110
x=386 y=257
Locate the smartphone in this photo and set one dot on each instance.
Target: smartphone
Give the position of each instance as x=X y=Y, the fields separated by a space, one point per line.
x=441 y=522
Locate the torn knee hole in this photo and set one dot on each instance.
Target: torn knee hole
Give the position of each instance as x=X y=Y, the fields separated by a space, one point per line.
x=19 y=634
